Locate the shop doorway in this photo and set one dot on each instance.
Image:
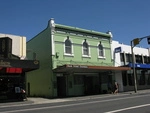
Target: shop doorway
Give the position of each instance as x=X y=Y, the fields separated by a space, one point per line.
x=88 y=85
x=61 y=86
x=8 y=82
x=91 y=85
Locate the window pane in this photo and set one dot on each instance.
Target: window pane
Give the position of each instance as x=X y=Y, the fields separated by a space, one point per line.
x=101 y=53
x=100 y=48
x=78 y=79
x=68 y=50
x=130 y=79
x=68 y=46
x=138 y=58
x=145 y=59
x=122 y=57
x=85 y=52
x=127 y=57
x=85 y=49
x=124 y=78
x=142 y=78
x=148 y=81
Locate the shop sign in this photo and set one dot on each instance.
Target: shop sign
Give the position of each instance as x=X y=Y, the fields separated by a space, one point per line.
x=77 y=66
x=118 y=50
x=4 y=64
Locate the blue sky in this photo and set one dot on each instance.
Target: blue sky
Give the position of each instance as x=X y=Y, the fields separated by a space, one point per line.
x=126 y=19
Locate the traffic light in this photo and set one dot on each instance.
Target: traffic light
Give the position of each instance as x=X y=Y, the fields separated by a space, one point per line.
x=136 y=41
x=148 y=40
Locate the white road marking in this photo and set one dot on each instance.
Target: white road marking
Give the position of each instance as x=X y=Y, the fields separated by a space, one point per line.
x=77 y=104
x=134 y=107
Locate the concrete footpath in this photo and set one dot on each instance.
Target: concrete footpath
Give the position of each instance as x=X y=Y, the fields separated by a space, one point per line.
x=39 y=100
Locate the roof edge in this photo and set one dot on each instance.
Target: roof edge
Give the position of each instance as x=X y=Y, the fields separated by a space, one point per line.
x=82 y=30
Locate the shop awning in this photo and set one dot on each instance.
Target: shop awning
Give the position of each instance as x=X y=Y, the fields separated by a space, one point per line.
x=142 y=66
x=88 y=68
x=14 y=65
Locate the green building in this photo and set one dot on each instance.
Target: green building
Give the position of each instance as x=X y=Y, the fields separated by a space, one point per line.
x=73 y=62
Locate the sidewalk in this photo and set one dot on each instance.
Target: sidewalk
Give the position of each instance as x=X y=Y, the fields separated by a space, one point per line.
x=39 y=100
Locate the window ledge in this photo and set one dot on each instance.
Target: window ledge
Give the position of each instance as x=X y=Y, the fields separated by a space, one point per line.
x=86 y=56
x=100 y=57
x=71 y=55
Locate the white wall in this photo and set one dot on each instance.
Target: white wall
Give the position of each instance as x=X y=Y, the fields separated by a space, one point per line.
x=126 y=49
x=18 y=45
x=116 y=58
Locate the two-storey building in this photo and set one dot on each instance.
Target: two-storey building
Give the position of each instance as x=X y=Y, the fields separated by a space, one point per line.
x=73 y=62
x=122 y=56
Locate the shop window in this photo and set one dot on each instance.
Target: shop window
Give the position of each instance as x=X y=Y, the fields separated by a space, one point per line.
x=130 y=79
x=124 y=78
x=68 y=46
x=142 y=78
x=148 y=60
x=148 y=81
x=78 y=79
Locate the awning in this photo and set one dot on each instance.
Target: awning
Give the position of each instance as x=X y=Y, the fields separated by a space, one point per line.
x=142 y=66
x=14 y=65
x=87 y=68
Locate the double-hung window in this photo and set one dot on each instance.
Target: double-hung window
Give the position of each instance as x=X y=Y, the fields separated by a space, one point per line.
x=100 y=51
x=68 y=47
x=85 y=48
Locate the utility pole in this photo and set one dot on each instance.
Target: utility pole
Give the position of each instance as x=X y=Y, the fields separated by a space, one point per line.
x=135 y=42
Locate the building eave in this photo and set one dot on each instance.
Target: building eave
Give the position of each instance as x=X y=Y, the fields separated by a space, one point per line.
x=82 y=30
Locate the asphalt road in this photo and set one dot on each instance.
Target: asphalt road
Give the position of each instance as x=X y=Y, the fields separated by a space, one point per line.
x=138 y=103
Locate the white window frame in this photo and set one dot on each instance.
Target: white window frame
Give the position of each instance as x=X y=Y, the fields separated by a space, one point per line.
x=99 y=50
x=68 y=54
x=88 y=49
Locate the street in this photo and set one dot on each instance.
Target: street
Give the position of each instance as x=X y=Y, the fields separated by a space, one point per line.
x=130 y=103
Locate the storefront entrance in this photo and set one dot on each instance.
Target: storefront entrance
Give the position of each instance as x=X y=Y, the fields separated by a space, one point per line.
x=92 y=85
x=8 y=83
x=12 y=77
x=61 y=86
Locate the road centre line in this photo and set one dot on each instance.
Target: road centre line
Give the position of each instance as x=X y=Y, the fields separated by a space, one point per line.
x=77 y=104
x=134 y=107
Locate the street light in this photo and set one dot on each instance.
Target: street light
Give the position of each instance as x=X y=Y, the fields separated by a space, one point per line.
x=135 y=42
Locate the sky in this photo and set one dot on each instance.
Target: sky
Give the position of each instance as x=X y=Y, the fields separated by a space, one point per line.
x=126 y=19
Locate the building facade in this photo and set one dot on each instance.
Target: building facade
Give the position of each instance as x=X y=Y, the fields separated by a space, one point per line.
x=73 y=62
x=123 y=57
x=13 y=66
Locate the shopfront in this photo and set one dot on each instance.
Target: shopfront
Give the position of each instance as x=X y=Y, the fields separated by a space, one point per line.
x=12 y=76
x=142 y=72
x=76 y=80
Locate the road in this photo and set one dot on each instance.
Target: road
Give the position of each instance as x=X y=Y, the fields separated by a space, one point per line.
x=138 y=103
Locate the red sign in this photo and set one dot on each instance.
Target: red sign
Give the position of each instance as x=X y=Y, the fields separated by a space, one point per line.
x=13 y=70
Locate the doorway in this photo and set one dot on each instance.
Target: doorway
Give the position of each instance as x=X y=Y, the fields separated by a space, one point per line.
x=61 y=86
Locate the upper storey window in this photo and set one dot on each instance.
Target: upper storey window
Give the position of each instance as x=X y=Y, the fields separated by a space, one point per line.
x=100 y=50
x=85 y=48
x=68 y=46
